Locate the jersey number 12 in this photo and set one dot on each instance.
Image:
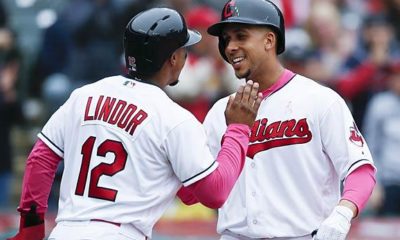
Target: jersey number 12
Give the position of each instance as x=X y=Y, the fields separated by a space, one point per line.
x=108 y=169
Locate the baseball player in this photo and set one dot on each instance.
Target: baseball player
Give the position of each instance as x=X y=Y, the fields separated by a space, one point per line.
x=127 y=148
x=303 y=143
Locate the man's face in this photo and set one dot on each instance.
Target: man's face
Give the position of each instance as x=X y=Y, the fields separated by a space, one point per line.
x=245 y=49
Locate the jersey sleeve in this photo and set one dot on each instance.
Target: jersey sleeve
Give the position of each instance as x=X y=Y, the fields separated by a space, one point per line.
x=342 y=141
x=188 y=153
x=53 y=132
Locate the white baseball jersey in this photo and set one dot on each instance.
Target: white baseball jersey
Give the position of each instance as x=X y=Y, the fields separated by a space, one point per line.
x=304 y=141
x=127 y=149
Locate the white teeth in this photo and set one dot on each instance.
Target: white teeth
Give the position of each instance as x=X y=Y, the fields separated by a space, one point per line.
x=237 y=59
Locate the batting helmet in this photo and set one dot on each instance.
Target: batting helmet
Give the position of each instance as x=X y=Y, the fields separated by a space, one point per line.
x=251 y=12
x=151 y=37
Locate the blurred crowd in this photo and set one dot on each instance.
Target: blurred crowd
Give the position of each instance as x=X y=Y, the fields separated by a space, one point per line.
x=49 y=48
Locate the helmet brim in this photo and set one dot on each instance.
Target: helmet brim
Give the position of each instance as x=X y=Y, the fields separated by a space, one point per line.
x=194 y=37
x=216 y=29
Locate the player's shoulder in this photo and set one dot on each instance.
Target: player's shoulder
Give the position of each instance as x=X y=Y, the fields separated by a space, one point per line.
x=103 y=83
x=175 y=113
x=164 y=107
x=221 y=103
x=92 y=87
x=315 y=89
x=216 y=113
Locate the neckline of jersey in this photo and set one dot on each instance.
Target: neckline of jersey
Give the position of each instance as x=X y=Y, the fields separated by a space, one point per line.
x=285 y=77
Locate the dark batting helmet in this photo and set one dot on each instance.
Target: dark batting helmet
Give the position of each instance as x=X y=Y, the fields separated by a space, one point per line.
x=251 y=12
x=151 y=37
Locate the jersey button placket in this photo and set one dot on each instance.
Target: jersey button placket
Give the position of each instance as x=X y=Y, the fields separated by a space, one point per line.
x=252 y=195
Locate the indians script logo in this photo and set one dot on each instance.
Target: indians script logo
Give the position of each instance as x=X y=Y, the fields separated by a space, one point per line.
x=230 y=10
x=132 y=63
x=265 y=136
x=355 y=136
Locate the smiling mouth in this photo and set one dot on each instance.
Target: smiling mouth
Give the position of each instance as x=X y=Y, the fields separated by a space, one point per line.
x=236 y=61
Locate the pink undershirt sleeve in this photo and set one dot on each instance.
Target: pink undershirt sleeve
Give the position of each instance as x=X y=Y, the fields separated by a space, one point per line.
x=213 y=190
x=359 y=185
x=40 y=170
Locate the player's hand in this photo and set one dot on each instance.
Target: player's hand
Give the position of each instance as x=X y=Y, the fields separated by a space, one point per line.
x=336 y=226
x=243 y=107
x=31 y=226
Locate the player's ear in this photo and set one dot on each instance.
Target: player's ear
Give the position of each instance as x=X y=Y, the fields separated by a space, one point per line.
x=174 y=58
x=269 y=40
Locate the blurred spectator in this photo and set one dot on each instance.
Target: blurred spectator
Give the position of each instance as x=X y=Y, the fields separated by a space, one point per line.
x=96 y=41
x=392 y=9
x=365 y=76
x=382 y=132
x=53 y=56
x=298 y=51
x=10 y=109
x=377 y=42
x=295 y=13
x=206 y=76
x=331 y=42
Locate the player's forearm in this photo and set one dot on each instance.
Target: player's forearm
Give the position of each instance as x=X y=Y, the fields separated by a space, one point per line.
x=39 y=174
x=233 y=151
x=213 y=190
x=358 y=188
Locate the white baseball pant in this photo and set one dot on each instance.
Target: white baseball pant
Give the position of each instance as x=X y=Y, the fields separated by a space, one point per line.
x=94 y=230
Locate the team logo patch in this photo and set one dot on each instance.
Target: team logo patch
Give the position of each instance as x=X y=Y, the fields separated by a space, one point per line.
x=230 y=10
x=132 y=63
x=355 y=136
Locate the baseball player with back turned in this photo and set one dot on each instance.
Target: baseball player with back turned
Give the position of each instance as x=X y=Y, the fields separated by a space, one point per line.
x=303 y=143
x=128 y=148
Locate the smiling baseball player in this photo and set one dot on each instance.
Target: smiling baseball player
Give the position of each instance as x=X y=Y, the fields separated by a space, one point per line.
x=303 y=143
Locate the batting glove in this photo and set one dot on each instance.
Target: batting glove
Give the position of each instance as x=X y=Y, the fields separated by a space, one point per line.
x=336 y=226
x=31 y=226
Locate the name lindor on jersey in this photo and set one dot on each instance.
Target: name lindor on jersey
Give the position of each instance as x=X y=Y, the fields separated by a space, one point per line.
x=116 y=112
x=277 y=134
